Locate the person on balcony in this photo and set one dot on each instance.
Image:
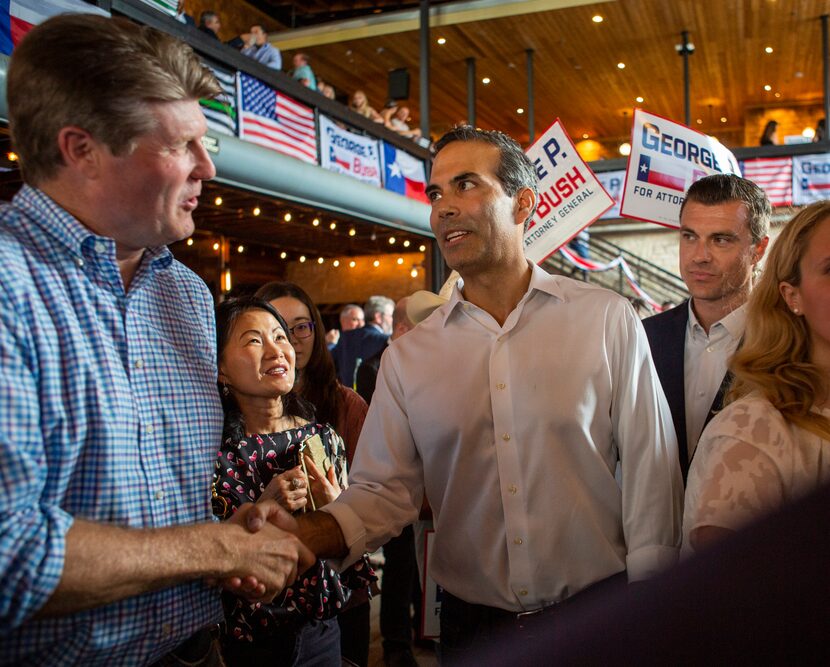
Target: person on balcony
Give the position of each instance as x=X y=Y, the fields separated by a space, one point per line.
x=261 y=50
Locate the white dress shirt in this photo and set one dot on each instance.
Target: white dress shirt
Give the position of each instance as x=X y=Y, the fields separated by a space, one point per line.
x=514 y=432
x=705 y=361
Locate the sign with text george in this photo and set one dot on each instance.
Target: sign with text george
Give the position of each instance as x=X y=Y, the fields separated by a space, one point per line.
x=570 y=196
x=811 y=178
x=349 y=153
x=666 y=158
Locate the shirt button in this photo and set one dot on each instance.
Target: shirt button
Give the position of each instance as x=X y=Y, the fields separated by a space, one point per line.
x=500 y=385
x=512 y=488
x=139 y=363
x=518 y=540
x=505 y=437
x=159 y=495
x=701 y=394
x=79 y=261
x=100 y=247
x=149 y=430
x=166 y=630
x=523 y=592
x=710 y=349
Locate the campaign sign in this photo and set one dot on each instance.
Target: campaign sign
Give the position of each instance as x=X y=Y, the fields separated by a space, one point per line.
x=612 y=181
x=666 y=158
x=570 y=196
x=811 y=178
x=349 y=153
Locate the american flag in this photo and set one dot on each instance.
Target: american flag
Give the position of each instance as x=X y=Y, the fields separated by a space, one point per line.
x=274 y=120
x=774 y=176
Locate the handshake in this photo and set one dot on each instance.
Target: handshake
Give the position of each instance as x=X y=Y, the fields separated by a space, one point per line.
x=261 y=552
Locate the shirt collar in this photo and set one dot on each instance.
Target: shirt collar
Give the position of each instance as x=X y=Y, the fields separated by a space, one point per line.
x=734 y=322
x=540 y=280
x=67 y=231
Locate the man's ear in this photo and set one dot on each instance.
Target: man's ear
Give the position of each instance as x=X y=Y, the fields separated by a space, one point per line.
x=80 y=151
x=759 y=249
x=525 y=204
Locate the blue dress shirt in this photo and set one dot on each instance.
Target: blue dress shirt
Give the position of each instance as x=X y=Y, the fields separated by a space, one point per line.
x=108 y=412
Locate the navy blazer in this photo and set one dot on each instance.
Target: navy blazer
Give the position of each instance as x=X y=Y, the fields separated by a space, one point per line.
x=362 y=344
x=666 y=333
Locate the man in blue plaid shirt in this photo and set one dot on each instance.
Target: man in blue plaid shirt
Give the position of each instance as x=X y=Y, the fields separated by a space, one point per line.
x=109 y=414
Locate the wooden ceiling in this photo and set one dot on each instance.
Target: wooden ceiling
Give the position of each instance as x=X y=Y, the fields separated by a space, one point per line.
x=575 y=64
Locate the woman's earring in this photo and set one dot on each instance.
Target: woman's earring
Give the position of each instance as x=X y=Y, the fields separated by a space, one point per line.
x=225 y=390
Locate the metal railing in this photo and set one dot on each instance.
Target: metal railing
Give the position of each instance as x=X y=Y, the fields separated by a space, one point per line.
x=659 y=284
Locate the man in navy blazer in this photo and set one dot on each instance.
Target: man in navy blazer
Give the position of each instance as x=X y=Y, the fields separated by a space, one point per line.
x=358 y=344
x=724 y=227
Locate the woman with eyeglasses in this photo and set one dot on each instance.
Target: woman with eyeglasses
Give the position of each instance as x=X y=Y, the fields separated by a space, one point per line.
x=334 y=404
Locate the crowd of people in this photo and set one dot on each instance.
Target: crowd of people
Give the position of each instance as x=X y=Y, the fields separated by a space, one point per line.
x=187 y=483
x=255 y=45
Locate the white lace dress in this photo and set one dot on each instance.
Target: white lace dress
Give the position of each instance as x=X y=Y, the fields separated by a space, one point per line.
x=749 y=462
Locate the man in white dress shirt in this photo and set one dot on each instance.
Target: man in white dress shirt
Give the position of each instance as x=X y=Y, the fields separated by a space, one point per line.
x=724 y=231
x=510 y=407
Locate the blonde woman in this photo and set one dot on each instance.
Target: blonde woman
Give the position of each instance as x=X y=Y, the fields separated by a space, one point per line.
x=360 y=104
x=771 y=443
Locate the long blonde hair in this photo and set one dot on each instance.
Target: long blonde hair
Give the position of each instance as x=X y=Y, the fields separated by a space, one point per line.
x=775 y=356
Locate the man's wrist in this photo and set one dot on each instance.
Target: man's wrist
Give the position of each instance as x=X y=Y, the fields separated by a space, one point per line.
x=321 y=533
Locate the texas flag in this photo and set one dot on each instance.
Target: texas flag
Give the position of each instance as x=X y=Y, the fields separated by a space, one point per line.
x=403 y=173
x=647 y=174
x=17 y=17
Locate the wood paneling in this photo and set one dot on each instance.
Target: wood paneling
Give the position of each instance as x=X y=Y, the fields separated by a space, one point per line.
x=576 y=74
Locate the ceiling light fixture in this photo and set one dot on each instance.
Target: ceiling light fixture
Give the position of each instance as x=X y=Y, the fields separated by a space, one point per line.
x=768 y=49
x=639 y=99
x=596 y=18
x=768 y=87
x=485 y=80
x=442 y=40
x=620 y=65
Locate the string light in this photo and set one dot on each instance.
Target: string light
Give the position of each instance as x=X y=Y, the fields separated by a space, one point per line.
x=639 y=99
x=302 y=258
x=11 y=156
x=216 y=246
x=376 y=263
x=240 y=249
x=352 y=264
x=414 y=272
x=400 y=260
x=485 y=80
x=335 y=263
x=620 y=65
x=596 y=18
x=190 y=241
x=422 y=248
x=287 y=217
x=441 y=40
x=391 y=240
x=320 y=260
x=218 y=201
x=352 y=232
x=283 y=254
x=257 y=211
x=316 y=222
x=768 y=87
x=226 y=280
x=406 y=243
x=333 y=226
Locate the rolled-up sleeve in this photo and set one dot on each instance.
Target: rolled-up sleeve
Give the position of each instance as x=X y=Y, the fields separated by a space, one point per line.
x=386 y=481
x=32 y=535
x=652 y=486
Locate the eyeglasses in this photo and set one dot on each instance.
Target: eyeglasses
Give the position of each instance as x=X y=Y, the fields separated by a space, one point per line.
x=302 y=330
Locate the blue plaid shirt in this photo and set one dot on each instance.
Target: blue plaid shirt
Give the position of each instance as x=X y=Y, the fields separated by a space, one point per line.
x=108 y=412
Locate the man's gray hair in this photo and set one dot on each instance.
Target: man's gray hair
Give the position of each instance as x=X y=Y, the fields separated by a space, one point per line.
x=377 y=304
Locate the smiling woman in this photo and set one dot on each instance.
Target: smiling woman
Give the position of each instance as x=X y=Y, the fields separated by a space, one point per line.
x=273 y=448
